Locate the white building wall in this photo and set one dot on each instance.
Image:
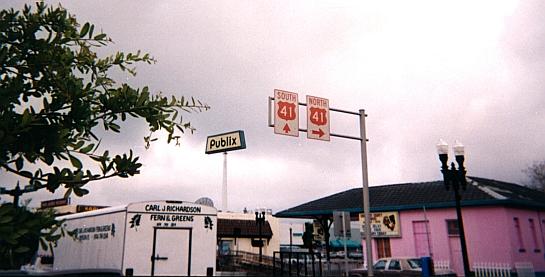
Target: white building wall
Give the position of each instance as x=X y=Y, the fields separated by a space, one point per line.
x=297 y=229
x=245 y=244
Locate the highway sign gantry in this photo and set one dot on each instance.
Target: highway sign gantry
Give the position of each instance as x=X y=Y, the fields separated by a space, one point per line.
x=363 y=140
x=318 y=118
x=286 y=113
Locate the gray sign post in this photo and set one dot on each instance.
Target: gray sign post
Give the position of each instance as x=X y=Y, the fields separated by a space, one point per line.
x=341 y=228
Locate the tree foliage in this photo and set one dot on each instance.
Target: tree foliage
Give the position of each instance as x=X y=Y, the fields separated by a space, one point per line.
x=536 y=175
x=57 y=96
x=21 y=231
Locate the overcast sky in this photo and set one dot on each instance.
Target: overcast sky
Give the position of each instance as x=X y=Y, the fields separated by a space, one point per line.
x=422 y=70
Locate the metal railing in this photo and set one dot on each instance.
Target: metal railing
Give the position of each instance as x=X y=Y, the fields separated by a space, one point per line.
x=525 y=269
x=283 y=263
x=297 y=264
x=492 y=269
x=441 y=265
x=242 y=261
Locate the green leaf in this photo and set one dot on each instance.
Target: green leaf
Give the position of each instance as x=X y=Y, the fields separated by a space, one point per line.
x=26 y=174
x=48 y=159
x=96 y=158
x=84 y=30
x=78 y=145
x=19 y=163
x=27 y=118
x=11 y=241
x=91 y=31
x=4 y=210
x=5 y=219
x=75 y=162
x=43 y=244
x=22 y=249
x=114 y=127
x=80 y=192
x=22 y=232
x=87 y=148
x=100 y=36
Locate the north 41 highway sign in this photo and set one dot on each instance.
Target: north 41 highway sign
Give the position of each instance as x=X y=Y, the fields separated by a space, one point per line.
x=318 y=118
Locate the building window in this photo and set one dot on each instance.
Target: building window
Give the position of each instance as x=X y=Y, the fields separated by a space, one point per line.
x=452 y=227
x=534 y=235
x=519 y=234
x=383 y=247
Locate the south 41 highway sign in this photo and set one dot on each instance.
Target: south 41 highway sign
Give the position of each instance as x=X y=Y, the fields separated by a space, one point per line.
x=286 y=113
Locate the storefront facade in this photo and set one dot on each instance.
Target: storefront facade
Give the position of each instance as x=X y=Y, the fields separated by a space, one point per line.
x=503 y=222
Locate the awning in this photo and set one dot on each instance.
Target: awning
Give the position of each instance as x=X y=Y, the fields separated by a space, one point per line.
x=338 y=243
x=239 y=228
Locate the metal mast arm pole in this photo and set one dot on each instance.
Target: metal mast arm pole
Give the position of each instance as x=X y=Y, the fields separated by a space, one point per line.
x=344 y=244
x=368 y=242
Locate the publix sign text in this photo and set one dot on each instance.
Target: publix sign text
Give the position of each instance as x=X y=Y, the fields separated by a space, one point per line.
x=225 y=142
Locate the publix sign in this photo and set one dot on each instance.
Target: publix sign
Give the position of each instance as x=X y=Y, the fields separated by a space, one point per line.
x=225 y=142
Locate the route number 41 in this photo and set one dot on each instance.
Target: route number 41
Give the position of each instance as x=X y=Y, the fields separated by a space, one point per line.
x=286 y=110
x=318 y=116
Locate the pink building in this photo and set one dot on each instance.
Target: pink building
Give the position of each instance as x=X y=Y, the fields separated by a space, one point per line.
x=503 y=222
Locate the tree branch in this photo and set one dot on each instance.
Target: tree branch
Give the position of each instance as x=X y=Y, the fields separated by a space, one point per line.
x=68 y=182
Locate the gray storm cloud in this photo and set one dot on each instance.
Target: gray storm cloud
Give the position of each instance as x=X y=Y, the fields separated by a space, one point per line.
x=422 y=71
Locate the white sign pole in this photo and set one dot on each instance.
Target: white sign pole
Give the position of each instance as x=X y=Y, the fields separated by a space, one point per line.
x=368 y=242
x=223 y=143
x=224 y=185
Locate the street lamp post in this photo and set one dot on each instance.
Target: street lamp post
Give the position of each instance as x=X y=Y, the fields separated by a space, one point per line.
x=16 y=192
x=291 y=240
x=455 y=178
x=260 y=220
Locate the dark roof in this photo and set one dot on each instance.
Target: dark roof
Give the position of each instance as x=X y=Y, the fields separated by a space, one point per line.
x=408 y=196
x=240 y=228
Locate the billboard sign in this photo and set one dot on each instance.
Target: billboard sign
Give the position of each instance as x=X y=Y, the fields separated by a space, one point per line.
x=385 y=224
x=55 y=203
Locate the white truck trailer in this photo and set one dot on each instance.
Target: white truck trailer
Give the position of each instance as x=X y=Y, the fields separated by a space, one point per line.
x=159 y=238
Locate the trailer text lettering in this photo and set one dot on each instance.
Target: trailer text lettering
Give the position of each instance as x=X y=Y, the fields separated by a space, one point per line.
x=168 y=217
x=98 y=232
x=172 y=208
x=182 y=218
